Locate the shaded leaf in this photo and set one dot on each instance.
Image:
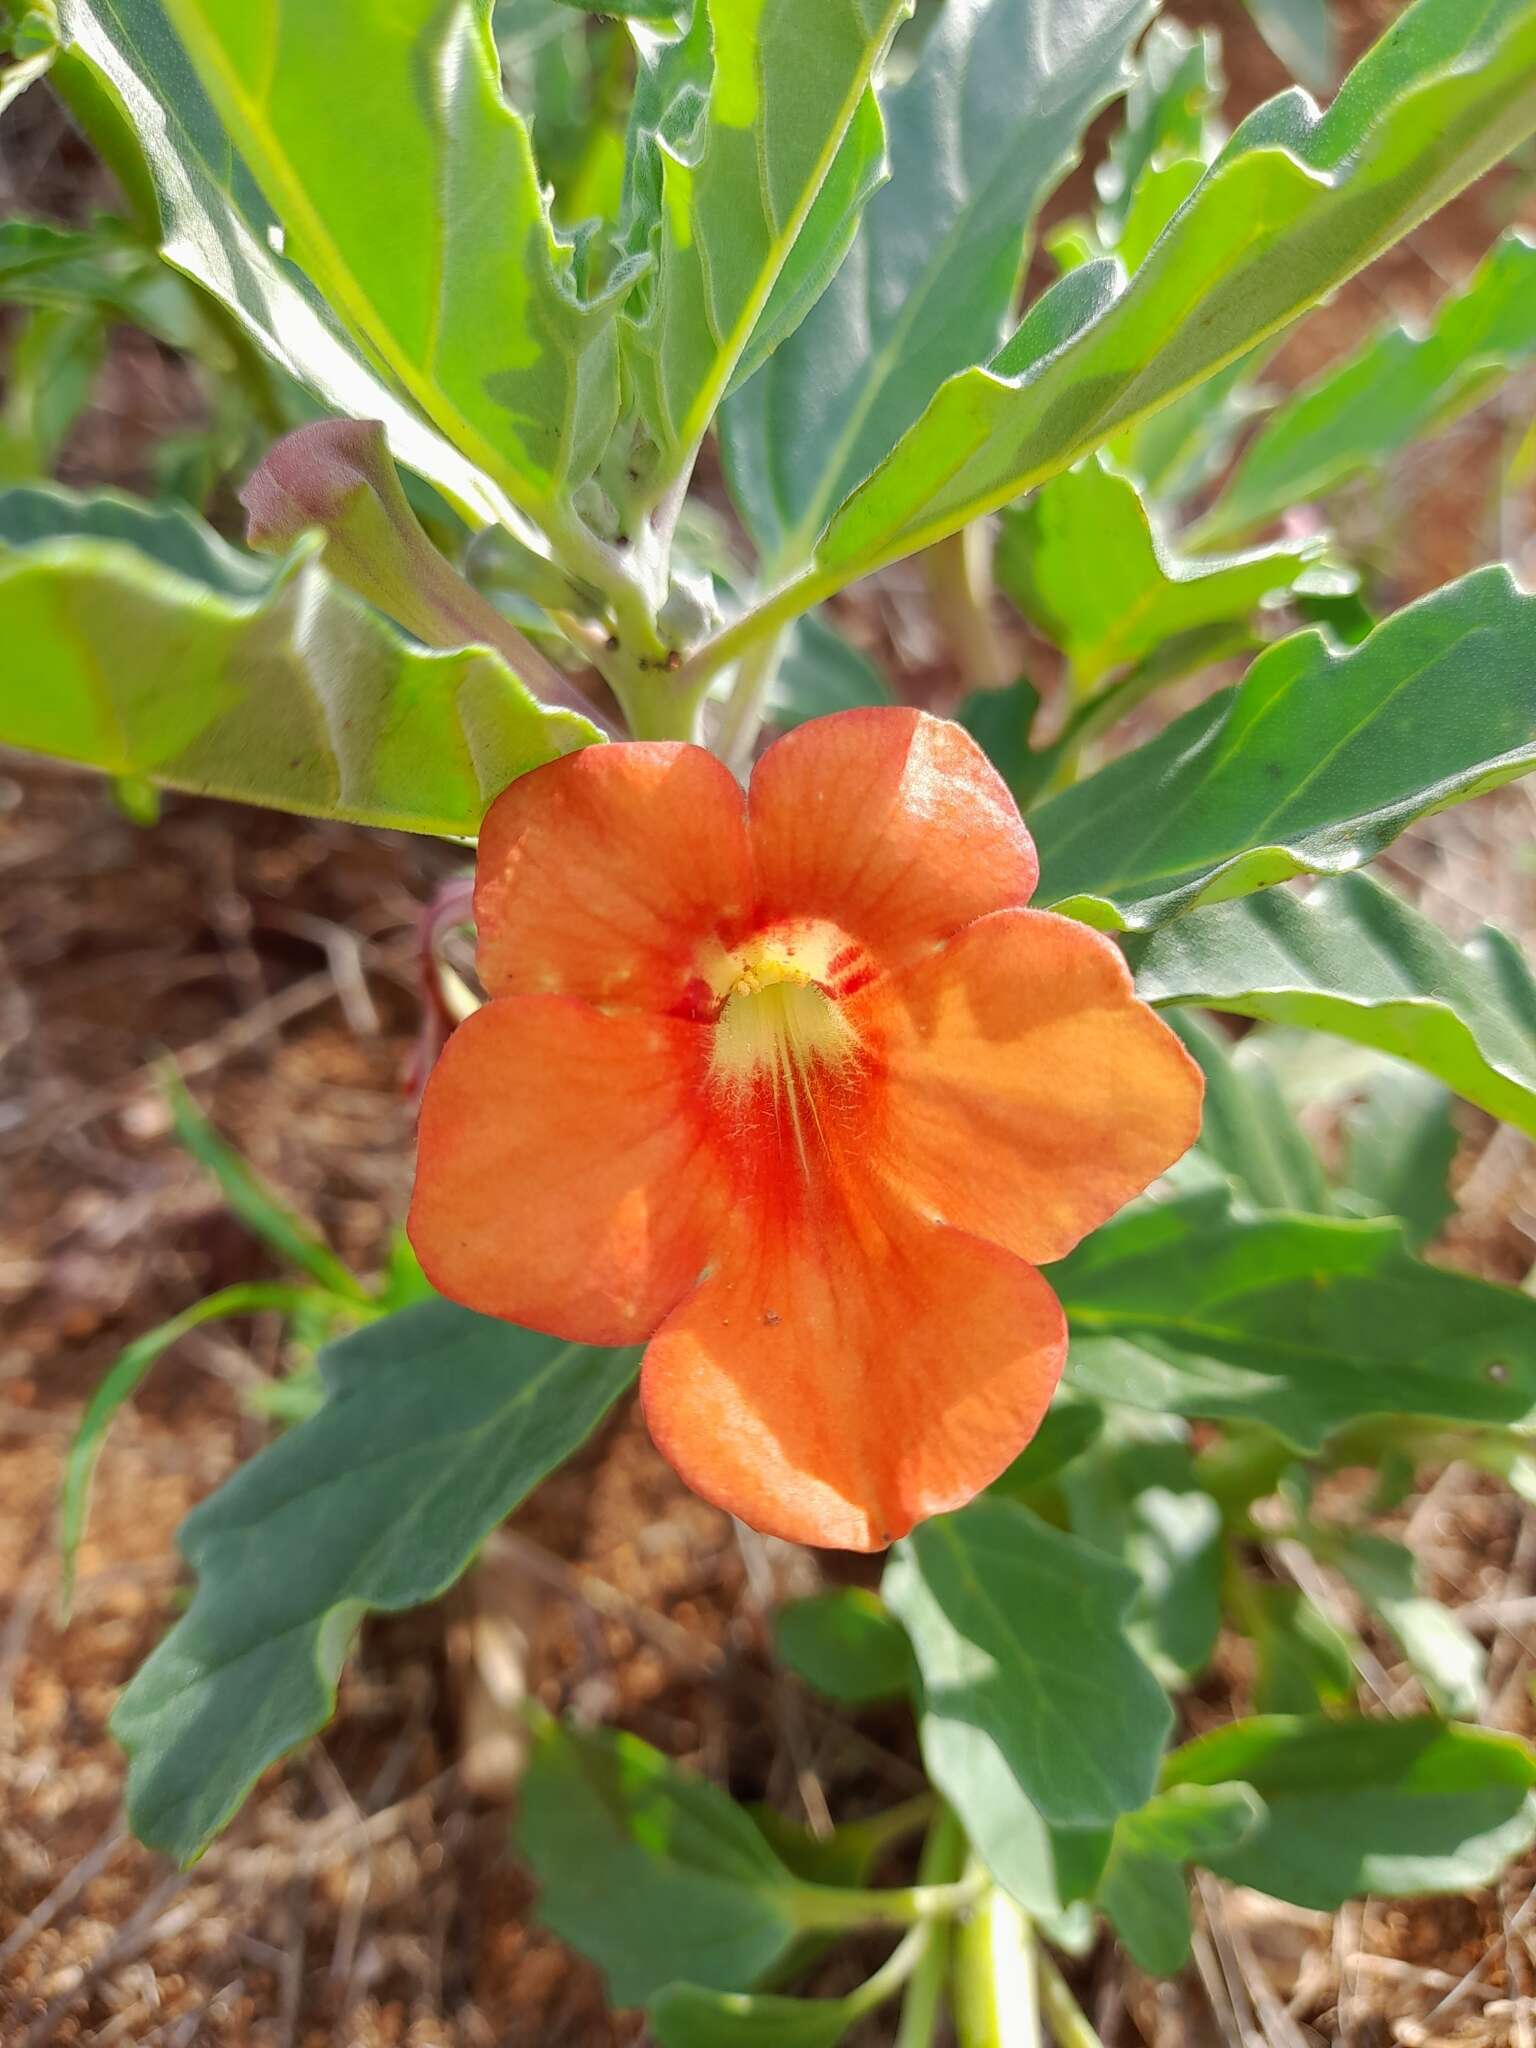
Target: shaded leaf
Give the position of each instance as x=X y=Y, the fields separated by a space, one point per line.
x=300 y=698
x=1312 y=764
x=1085 y=562
x=1301 y=33
x=1174 y=88
x=1400 y=1144
x=1447 y=1660
x=1354 y=959
x=990 y=117
x=168 y=534
x=1036 y=1714
x=438 y=1422
x=819 y=672
x=1304 y=1323
x=1305 y=1661
x=1295 y=203
x=649 y=1870
x=1143 y=1890
x=1391 y=392
x=1247 y=1128
x=1070 y=1428
x=1390 y=1807
x=1139 y=1501
x=845 y=1644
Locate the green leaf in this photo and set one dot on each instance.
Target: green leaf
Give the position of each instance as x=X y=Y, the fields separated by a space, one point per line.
x=1302 y=35
x=1303 y=1323
x=1447 y=1660
x=1086 y=563
x=1313 y=764
x=216 y=227
x=1353 y=959
x=257 y=1207
x=122 y=1381
x=1397 y=388
x=1400 y=1144
x=742 y=246
x=991 y=116
x=49 y=374
x=1174 y=89
x=33 y=46
x=845 y=1644
x=1247 y=1128
x=418 y=214
x=1143 y=1890
x=300 y=698
x=1139 y=1501
x=650 y=1870
x=819 y=672
x=1305 y=1661
x=1295 y=203
x=1390 y=1807
x=438 y=1423
x=1070 y=1428
x=1037 y=1715
x=168 y=534
x=685 y=2016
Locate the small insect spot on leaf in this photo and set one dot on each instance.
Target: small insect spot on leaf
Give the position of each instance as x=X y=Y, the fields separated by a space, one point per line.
x=1498 y=1372
x=772 y=1317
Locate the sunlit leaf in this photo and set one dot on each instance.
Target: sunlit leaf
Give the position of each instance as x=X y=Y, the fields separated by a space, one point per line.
x=1143 y=1891
x=1353 y=959
x=1086 y=563
x=1304 y=1323
x=990 y=117
x=1383 y=1806
x=1313 y=764
x=217 y=227
x=438 y=1422
x=298 y=697
x=742 y=246
x=1392 y=391
x=1295 y=203
x=1036 y=1713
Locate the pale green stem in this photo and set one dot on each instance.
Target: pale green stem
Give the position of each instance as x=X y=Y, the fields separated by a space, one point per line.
x=741 y=719
x=879 y=1829
x=1067 y=2021
x=905 y=1959
x=942 y=1859
x=996 y=1989
x=815 y=1907
x=959 y=575
x=766 y=619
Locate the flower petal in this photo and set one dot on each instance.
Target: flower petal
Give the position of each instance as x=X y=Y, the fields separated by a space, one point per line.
x=1028 y=1093
x=600 y=874
x=889 y=823
x=563 y=1180
x=836 y=1380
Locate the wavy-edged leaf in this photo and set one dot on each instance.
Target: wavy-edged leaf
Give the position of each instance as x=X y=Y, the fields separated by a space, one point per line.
x=743 y=242
x=216 y=227
x=990 y=117
x=1390 y=1807
x=1304 y=1323
x=1354 y=959
x=1174 y=90
x=1295 y=203
x=297 y=697
x=1303 y=36
x=1313 y=764
x=1398 y=387
x=1086 y=562
x=1036 y=1714
x=167 y=534
x=413 y=203
x=437 y=1423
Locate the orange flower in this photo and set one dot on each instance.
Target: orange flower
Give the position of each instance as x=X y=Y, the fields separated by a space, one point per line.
x=794 y=1087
